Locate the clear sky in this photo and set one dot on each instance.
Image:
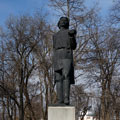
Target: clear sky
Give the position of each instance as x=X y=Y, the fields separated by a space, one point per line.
x=105 y=5
x=19 y=7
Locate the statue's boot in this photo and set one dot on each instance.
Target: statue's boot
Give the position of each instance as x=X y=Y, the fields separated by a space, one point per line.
x=66 y=91
x=59 y=86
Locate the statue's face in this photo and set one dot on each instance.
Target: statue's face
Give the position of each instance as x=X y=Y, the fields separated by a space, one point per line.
x=64 y=23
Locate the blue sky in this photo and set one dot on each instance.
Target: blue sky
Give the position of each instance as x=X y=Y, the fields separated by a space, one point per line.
x=104 y=5
x=19 y=7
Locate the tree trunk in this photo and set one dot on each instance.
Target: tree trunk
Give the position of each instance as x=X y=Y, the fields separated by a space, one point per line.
x=3 y=110
x=46 y=99
x=21 y=108
x=103 y=115
x=108 y=116
x=14 y=112
x=117 y=115
x=32 y=114
x=68 y=8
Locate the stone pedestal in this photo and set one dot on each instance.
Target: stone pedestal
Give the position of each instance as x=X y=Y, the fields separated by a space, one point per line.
x=61 y=113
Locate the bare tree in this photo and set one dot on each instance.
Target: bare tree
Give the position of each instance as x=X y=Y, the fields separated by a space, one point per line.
x=104 y=60
x=114 y=13
x=43 y=56
x=22 y=36
x=80 y=99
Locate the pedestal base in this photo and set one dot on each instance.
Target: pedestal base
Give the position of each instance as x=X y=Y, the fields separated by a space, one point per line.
x=61 y=113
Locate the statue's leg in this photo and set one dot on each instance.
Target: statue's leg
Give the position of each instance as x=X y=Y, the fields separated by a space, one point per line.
x=66 y=81
x=59 y=87
x=66 y=88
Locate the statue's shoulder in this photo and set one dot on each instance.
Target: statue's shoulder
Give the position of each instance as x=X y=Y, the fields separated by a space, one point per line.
x=63 y=31
x=55 y=34
x=60 y=32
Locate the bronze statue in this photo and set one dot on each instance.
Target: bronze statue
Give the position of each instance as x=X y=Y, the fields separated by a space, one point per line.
x=64 y=42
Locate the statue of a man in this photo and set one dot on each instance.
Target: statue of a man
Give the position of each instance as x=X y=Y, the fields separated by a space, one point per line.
x=64 y=42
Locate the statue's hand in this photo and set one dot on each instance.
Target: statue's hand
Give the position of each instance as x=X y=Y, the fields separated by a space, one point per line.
x=72 y=32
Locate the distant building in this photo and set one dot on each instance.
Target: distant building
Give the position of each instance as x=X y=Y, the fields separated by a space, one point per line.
x=89 y=116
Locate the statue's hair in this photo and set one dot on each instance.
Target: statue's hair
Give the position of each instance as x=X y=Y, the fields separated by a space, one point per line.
x=61 y=20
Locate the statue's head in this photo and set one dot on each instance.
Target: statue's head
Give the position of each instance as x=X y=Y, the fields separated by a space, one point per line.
x=63 y=23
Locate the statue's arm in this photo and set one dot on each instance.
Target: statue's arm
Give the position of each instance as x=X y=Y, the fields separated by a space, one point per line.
x=72 y=34
x=74 y=44
x=53 y=43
